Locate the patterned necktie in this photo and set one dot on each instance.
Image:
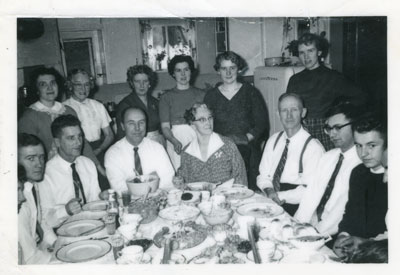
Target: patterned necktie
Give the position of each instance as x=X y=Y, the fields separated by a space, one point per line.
x=77 y=183
x=39 y=229
x=329 y=188
x=279 y=169
x=138 y=164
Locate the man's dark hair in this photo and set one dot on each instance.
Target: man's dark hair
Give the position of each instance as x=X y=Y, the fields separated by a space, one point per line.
x=371 y=122
x=62 y=122
x=371 y=251
x=25 y=140
x=179 y=59
x=320 y=43
x=350 y=111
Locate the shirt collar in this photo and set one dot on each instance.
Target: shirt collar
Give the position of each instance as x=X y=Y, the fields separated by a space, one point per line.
x=295 y=136
x=86 y=101
x=215 y=143
x=380 y=170
x=130 y=145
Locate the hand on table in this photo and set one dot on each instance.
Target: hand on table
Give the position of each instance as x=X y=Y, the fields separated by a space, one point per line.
x=73 y=206
x=345 y=246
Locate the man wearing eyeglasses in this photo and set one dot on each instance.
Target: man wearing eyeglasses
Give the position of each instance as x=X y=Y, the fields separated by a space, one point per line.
x=290 y=156
x=136 y=154
x=324 y=200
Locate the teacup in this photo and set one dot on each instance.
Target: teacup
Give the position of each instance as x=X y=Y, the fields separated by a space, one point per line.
x=128 y=231
x=131 y=254
x=128 y=218
x=266 y=250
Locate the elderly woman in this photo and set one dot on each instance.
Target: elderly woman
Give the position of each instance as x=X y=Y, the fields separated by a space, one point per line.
x=239 y=112
x=173 y=105
x=36 y=120
x=210 y=157
x=142 y=80
x=93 y=115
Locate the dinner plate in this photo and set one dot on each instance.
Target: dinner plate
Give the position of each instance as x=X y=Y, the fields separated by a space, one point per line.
x=276 y=258
x=235 y=193
x=95 y=206
x=260 y=210
x=76 y=228
x=83 y=251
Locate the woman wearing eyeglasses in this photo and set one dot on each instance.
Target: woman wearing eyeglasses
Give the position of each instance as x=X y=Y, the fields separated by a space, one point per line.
x=93 y=115
x=209 y=157
x=239 y=112
x=36 y=119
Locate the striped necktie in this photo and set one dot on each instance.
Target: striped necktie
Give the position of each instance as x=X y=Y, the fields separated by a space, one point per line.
x=138 y=164
x=77 y=183
x=329 y=188
x=276 y=180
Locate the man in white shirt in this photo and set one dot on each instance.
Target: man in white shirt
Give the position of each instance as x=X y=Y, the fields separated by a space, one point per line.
x=324 y=200
x=34 y=235
x=70 y=178
x=286 y=170
x=135 y=151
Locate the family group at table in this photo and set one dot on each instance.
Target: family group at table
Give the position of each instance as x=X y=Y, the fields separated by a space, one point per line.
x=328 y=167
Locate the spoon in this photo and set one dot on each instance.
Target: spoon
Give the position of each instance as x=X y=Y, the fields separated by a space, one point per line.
x=146 y=195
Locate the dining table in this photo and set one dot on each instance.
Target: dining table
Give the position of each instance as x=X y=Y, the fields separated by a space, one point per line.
x=287 y=253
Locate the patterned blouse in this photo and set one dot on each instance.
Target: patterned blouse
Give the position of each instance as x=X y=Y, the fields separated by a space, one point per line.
x=224 y=162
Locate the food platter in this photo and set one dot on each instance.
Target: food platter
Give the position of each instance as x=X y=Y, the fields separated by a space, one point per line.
x=235 y=193
x=79 y=227
x=260 y=210
x=95 y=206
x=190 y=235
x=83 y=251
x=179 y=213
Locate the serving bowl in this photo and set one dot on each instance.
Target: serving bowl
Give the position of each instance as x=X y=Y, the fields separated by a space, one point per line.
x=139 y=186
x=179 y=214
x=215 y=215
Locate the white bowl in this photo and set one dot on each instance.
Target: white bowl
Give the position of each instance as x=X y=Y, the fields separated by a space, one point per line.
x=313 y=243
x=140 y=189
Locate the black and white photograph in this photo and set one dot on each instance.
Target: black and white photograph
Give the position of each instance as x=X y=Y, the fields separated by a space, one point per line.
x=210 y=140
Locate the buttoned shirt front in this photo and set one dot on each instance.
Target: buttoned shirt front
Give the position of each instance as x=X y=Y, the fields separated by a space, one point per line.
x=335 y=206
x=93 y=116
x=27 y=220
x=290 y=174
x=119 y=163
x=57 y=188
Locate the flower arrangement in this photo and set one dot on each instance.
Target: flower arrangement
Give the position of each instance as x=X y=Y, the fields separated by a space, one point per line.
x=160 y=56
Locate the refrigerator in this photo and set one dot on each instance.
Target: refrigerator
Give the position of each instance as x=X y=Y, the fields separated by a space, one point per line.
x=272 y=82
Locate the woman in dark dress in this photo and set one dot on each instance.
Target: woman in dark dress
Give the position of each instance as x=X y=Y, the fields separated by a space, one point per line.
x=141 y=79
x=239 y=112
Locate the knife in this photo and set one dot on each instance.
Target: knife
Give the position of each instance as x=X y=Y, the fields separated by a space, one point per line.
x=256 y=256
x=87 y=232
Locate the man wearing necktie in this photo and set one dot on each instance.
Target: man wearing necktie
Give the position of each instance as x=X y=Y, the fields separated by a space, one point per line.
x=70 y=178
x=34 y=235
x=289 y=157
x=135 y=153
x=324 y=200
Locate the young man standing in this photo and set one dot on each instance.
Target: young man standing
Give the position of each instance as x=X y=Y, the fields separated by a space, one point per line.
x=319 y=86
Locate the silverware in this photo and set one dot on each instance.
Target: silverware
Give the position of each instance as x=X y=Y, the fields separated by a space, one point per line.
x=87 y=232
